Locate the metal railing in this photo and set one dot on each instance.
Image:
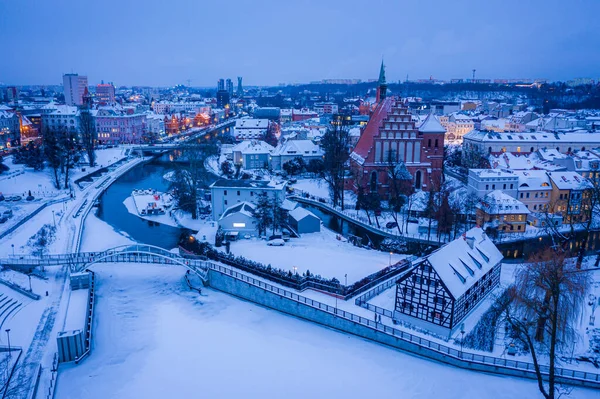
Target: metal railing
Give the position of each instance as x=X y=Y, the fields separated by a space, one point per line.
x=459 y=357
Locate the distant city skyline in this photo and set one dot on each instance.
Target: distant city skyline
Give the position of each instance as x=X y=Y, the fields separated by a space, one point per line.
x=153 y=43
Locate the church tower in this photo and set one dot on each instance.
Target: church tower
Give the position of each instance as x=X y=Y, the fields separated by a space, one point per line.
x=381 y=85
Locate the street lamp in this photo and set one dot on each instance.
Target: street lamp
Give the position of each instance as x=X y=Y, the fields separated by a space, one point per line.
x=53 y=218
x=593 y=303
x=462 y=338
x=346 y=277
x=391 y=258
x=13 y=248
x=295 y=270
x=29 y=275
x=8 y=335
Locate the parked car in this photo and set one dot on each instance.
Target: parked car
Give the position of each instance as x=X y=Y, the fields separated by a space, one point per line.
x=3 y=219
x=30 y=198
x=286 y=236
x=275 y=237
x=278 y=242
x=7 y=213
x=16 y=198
x=391 y=225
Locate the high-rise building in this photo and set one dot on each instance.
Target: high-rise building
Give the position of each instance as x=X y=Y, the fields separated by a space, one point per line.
x=222 y=98
x=74 y=86
x=230 y=88
x=105 y=93
x=221 y=85
x=240 y=90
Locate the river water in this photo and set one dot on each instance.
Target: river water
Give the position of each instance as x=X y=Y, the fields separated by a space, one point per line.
x=113 y=211
x=150 y=175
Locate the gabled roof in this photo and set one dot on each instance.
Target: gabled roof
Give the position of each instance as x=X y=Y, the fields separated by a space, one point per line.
x=253 y=147
x=431 y=124
x=462 y=262
x=298 y=147
x=245 y=208
x=499 y=203
x=300 y=213
x=363 y=147
x=569 y=181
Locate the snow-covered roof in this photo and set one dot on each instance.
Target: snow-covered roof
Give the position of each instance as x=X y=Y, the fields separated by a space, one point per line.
x=499 y=203
x=487 y=173
x=249 y=123
x=289 y=205
x=300 y=213
x=257 y=184
x=533 y=180
x=253 y=147
x=533 y=137
x=462 y=262
x=245 y=208
x=569 y=181
x=298 y=147
x=431 y=124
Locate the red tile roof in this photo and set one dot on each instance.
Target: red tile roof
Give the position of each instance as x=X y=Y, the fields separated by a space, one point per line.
x=365 y=143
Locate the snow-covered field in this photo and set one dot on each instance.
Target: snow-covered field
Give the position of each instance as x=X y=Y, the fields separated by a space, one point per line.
x=155 y=339
x=40 y=182
x=321 y=253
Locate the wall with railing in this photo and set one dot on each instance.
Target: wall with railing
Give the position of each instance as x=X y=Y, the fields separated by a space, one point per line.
x=243 y=286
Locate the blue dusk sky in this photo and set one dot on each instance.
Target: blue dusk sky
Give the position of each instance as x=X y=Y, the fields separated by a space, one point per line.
x=162 y=43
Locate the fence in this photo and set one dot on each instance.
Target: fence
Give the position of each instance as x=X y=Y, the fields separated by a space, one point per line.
x=409 y=342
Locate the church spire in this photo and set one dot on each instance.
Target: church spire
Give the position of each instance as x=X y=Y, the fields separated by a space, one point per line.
x=382 y=85
x=382 y=74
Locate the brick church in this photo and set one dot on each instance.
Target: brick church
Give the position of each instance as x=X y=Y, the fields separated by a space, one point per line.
x=391 y=137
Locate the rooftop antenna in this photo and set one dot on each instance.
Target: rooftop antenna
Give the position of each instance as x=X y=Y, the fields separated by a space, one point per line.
x=474 y=75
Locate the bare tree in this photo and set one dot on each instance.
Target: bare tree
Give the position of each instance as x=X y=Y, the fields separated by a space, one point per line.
x=88 y=133
x=335 y=144
x=52 y=153
x=399 y=188
x=70 y=152
x=190 y=175
x=473 y=157
x=546 y=300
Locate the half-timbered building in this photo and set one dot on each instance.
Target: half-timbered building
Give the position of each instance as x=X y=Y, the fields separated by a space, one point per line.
x=443 y=287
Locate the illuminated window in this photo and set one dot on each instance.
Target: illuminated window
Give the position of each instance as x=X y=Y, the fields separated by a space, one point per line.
x=239 y=225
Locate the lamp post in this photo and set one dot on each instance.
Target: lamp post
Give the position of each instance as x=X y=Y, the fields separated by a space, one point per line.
x=13 y=248
x=29 y=275
x=346 y=281
x=8 y=335
x=462 y=338
x=295 y=270
x=53 y=218
x=391 y=258
x=593 y=303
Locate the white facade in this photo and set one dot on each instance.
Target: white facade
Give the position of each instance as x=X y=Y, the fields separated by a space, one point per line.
x=250 y=129
x=305 y=149
x=225 y=193
x=484 y=181
x=64 y=117
x=529 y=142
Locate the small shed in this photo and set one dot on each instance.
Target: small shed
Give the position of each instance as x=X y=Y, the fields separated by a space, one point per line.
x=239 y=218
x=304 y=221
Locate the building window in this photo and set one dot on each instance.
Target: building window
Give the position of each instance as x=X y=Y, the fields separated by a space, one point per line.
x=225 y=202
x=504 y=186
x=225 y=192
x=238 y=193
x=487 y=186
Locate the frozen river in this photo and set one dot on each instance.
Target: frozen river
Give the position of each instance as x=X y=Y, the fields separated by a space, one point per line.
x=156 y=339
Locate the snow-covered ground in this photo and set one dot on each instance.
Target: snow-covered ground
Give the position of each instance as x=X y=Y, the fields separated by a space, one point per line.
x=40 y=182
x=154 y=339
x=320 y=189
x=321 y=253
x=100 y=236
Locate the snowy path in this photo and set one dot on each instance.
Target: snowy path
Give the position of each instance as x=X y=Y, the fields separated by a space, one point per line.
x=35 y=352
x=143 y=348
